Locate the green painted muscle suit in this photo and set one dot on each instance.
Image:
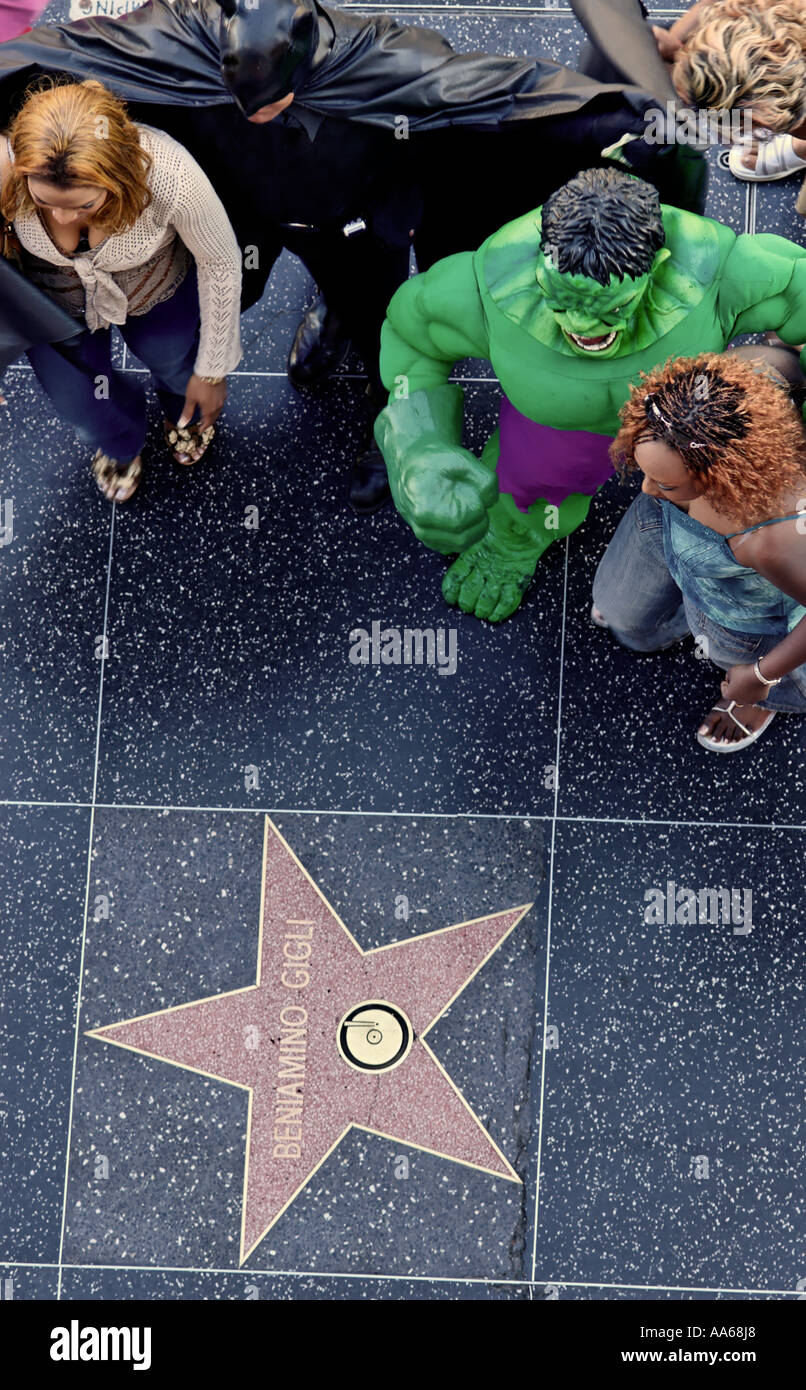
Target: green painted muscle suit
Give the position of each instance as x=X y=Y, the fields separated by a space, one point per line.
x=509 y=303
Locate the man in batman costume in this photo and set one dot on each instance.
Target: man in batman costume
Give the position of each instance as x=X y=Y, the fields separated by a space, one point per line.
x=343 y=137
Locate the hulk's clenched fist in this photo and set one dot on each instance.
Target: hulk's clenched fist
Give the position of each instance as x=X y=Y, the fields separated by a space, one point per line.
x=445 y=494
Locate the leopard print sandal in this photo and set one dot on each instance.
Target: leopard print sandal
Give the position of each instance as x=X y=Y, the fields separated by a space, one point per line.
x=117 y=481
x=189 y=444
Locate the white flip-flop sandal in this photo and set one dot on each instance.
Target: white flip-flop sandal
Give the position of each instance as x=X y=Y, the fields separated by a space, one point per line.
x=750 y=734
x=775 y=159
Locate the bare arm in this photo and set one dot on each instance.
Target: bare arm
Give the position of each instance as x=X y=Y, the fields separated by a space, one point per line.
x=781 y=558
x=669 y=40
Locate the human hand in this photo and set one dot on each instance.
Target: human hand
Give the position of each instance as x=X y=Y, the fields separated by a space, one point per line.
x=668 y=45
x=208 y=396
x=743 y=685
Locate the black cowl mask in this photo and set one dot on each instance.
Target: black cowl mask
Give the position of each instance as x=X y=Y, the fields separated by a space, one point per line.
x=268 y=48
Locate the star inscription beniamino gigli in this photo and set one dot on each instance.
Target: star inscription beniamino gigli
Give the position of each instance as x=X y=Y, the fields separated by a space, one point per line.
x=329 y=1037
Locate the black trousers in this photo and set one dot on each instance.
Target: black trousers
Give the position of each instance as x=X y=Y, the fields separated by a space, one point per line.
x=357 y=276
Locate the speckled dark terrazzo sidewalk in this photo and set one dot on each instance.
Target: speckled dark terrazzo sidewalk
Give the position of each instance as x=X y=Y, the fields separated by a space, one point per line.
x=170 y=676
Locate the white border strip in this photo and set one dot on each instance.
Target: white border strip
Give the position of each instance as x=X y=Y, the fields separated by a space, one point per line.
x=86 y=901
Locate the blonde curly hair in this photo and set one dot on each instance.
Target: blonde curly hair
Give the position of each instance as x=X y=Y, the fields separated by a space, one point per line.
x=747 y=54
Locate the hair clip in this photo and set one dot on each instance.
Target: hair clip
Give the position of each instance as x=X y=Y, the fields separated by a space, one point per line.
x=672 y=432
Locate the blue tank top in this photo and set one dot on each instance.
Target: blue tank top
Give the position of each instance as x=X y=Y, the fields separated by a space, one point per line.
x=704 y=567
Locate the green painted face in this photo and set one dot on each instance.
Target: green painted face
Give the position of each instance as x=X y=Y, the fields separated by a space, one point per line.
x=594 y=319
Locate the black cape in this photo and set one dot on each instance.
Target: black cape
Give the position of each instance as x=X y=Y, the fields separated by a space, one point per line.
x=376 y=72
x=27 y=316
x=164 y=60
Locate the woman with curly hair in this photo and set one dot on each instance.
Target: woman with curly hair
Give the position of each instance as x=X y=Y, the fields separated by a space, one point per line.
x=119 y=225
x=734 y=55
x=715 y=543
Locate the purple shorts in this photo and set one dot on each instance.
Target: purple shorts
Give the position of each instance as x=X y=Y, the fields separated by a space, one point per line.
x=537 y=461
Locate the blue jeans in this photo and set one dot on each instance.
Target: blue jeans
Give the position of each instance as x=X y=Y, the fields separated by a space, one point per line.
x=646 y=611
x=165 y=340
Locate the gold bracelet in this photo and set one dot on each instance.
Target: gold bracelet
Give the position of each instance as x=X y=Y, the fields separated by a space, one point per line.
x=211 y=380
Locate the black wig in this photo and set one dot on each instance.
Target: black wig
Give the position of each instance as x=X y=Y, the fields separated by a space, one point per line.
x=603 y=223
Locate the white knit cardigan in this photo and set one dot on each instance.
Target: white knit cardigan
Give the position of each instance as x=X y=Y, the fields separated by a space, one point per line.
x=183 y=203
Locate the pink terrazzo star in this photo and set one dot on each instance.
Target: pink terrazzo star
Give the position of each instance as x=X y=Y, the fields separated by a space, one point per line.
x=330 y=1036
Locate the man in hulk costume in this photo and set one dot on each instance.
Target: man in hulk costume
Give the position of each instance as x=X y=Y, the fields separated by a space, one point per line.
x=569 y=304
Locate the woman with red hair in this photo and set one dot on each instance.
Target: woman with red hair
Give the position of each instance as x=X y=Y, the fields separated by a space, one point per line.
x=715 y=543
x=119 y=225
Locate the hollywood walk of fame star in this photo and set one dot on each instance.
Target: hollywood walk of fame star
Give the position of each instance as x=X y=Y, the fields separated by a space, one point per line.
x=329 y=1037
